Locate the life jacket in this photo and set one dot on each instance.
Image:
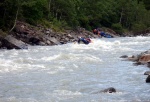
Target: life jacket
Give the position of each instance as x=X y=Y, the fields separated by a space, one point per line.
x=102 y=33
x=85 y=41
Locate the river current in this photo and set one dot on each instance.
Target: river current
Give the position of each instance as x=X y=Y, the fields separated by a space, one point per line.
x=75 y=72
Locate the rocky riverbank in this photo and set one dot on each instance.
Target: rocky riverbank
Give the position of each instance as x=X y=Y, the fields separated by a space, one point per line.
x=25 y=34
x=141 y=59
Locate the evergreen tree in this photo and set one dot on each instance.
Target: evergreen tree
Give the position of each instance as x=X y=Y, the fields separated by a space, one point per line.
x=127 y=14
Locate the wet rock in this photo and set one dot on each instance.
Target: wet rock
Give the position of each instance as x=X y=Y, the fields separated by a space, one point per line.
x=42 y=43
x=110 y=90
x=147 y=73
x=146 y=52
x=137 y=63
x=48 y=42
x=141 y=59
x=20 y=27
x=62 y=42
x=148 y=64
x=0 y=43
x=52 y=39
x=47 y=32
x=34 y=41
x=148 y=79
x=124 y=56
x=70 y=36
x=9 y=42
x=144 y=58
x=133 y=58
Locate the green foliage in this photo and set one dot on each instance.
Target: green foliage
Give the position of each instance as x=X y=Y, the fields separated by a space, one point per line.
x=8 y=10
x=117 y=27
x=138 y=27
x=45 y=23
x=33 y=10
x=58 y=25
x=55 y=24
x=147 y=4
x=118 y=14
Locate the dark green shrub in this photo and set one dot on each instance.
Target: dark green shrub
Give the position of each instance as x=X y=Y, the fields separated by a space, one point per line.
x=117 y=27
x=138 y=27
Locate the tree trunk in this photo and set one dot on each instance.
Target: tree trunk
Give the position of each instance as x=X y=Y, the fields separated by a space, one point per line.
x=120 y=21
x=49 y=8
x=15 y=20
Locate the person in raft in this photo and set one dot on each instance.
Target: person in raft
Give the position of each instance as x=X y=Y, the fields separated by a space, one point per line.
x=101 y=33
x=84 y=41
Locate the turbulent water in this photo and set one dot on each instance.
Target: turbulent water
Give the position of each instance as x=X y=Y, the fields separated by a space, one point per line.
x=75 y=73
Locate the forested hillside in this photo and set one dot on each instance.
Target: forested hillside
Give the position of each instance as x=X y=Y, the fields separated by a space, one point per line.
x=119 y=15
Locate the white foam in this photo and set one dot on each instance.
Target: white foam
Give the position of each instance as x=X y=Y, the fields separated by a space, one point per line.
x=60 y=72
x=66 y=92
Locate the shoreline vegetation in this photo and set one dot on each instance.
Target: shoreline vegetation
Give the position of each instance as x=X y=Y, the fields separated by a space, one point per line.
x=53 y=22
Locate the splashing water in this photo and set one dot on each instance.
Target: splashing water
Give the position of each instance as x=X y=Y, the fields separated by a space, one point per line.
x=73 y=72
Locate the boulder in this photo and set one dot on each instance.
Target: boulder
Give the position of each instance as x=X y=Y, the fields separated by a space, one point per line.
x=10 y=42
x=52 y=39
x=146 y=52
x=144 y=58
x=147 y=73
x=124 y=56
x=34 y=41
x=148 y=64
x=110 y=90
x=148 y=79
x=133 y=58
x=137 y=63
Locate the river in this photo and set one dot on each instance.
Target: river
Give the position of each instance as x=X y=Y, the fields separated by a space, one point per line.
x=75 y=72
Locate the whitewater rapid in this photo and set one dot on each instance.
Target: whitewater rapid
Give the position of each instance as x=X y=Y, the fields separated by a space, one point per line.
x=74 y=72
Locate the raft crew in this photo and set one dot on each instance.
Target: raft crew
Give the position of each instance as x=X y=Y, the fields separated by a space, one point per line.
x=101 y=33
x=95 y=31
x=84 y=40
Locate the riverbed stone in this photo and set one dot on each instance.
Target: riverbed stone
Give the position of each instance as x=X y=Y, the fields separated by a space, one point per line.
x=137 y=63
x=148 y=64
x=133 y=58
x=148 y=79
x=144 y=58
x=11 y=42
x=124 y=56
x=147 y=73
x=34 y=41
x=109 y=90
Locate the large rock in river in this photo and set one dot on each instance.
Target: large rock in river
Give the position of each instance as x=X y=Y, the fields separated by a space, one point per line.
x=148 y=79
x=144 y=58
x=108 y=90
x=9 y=42
x=147 y=73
